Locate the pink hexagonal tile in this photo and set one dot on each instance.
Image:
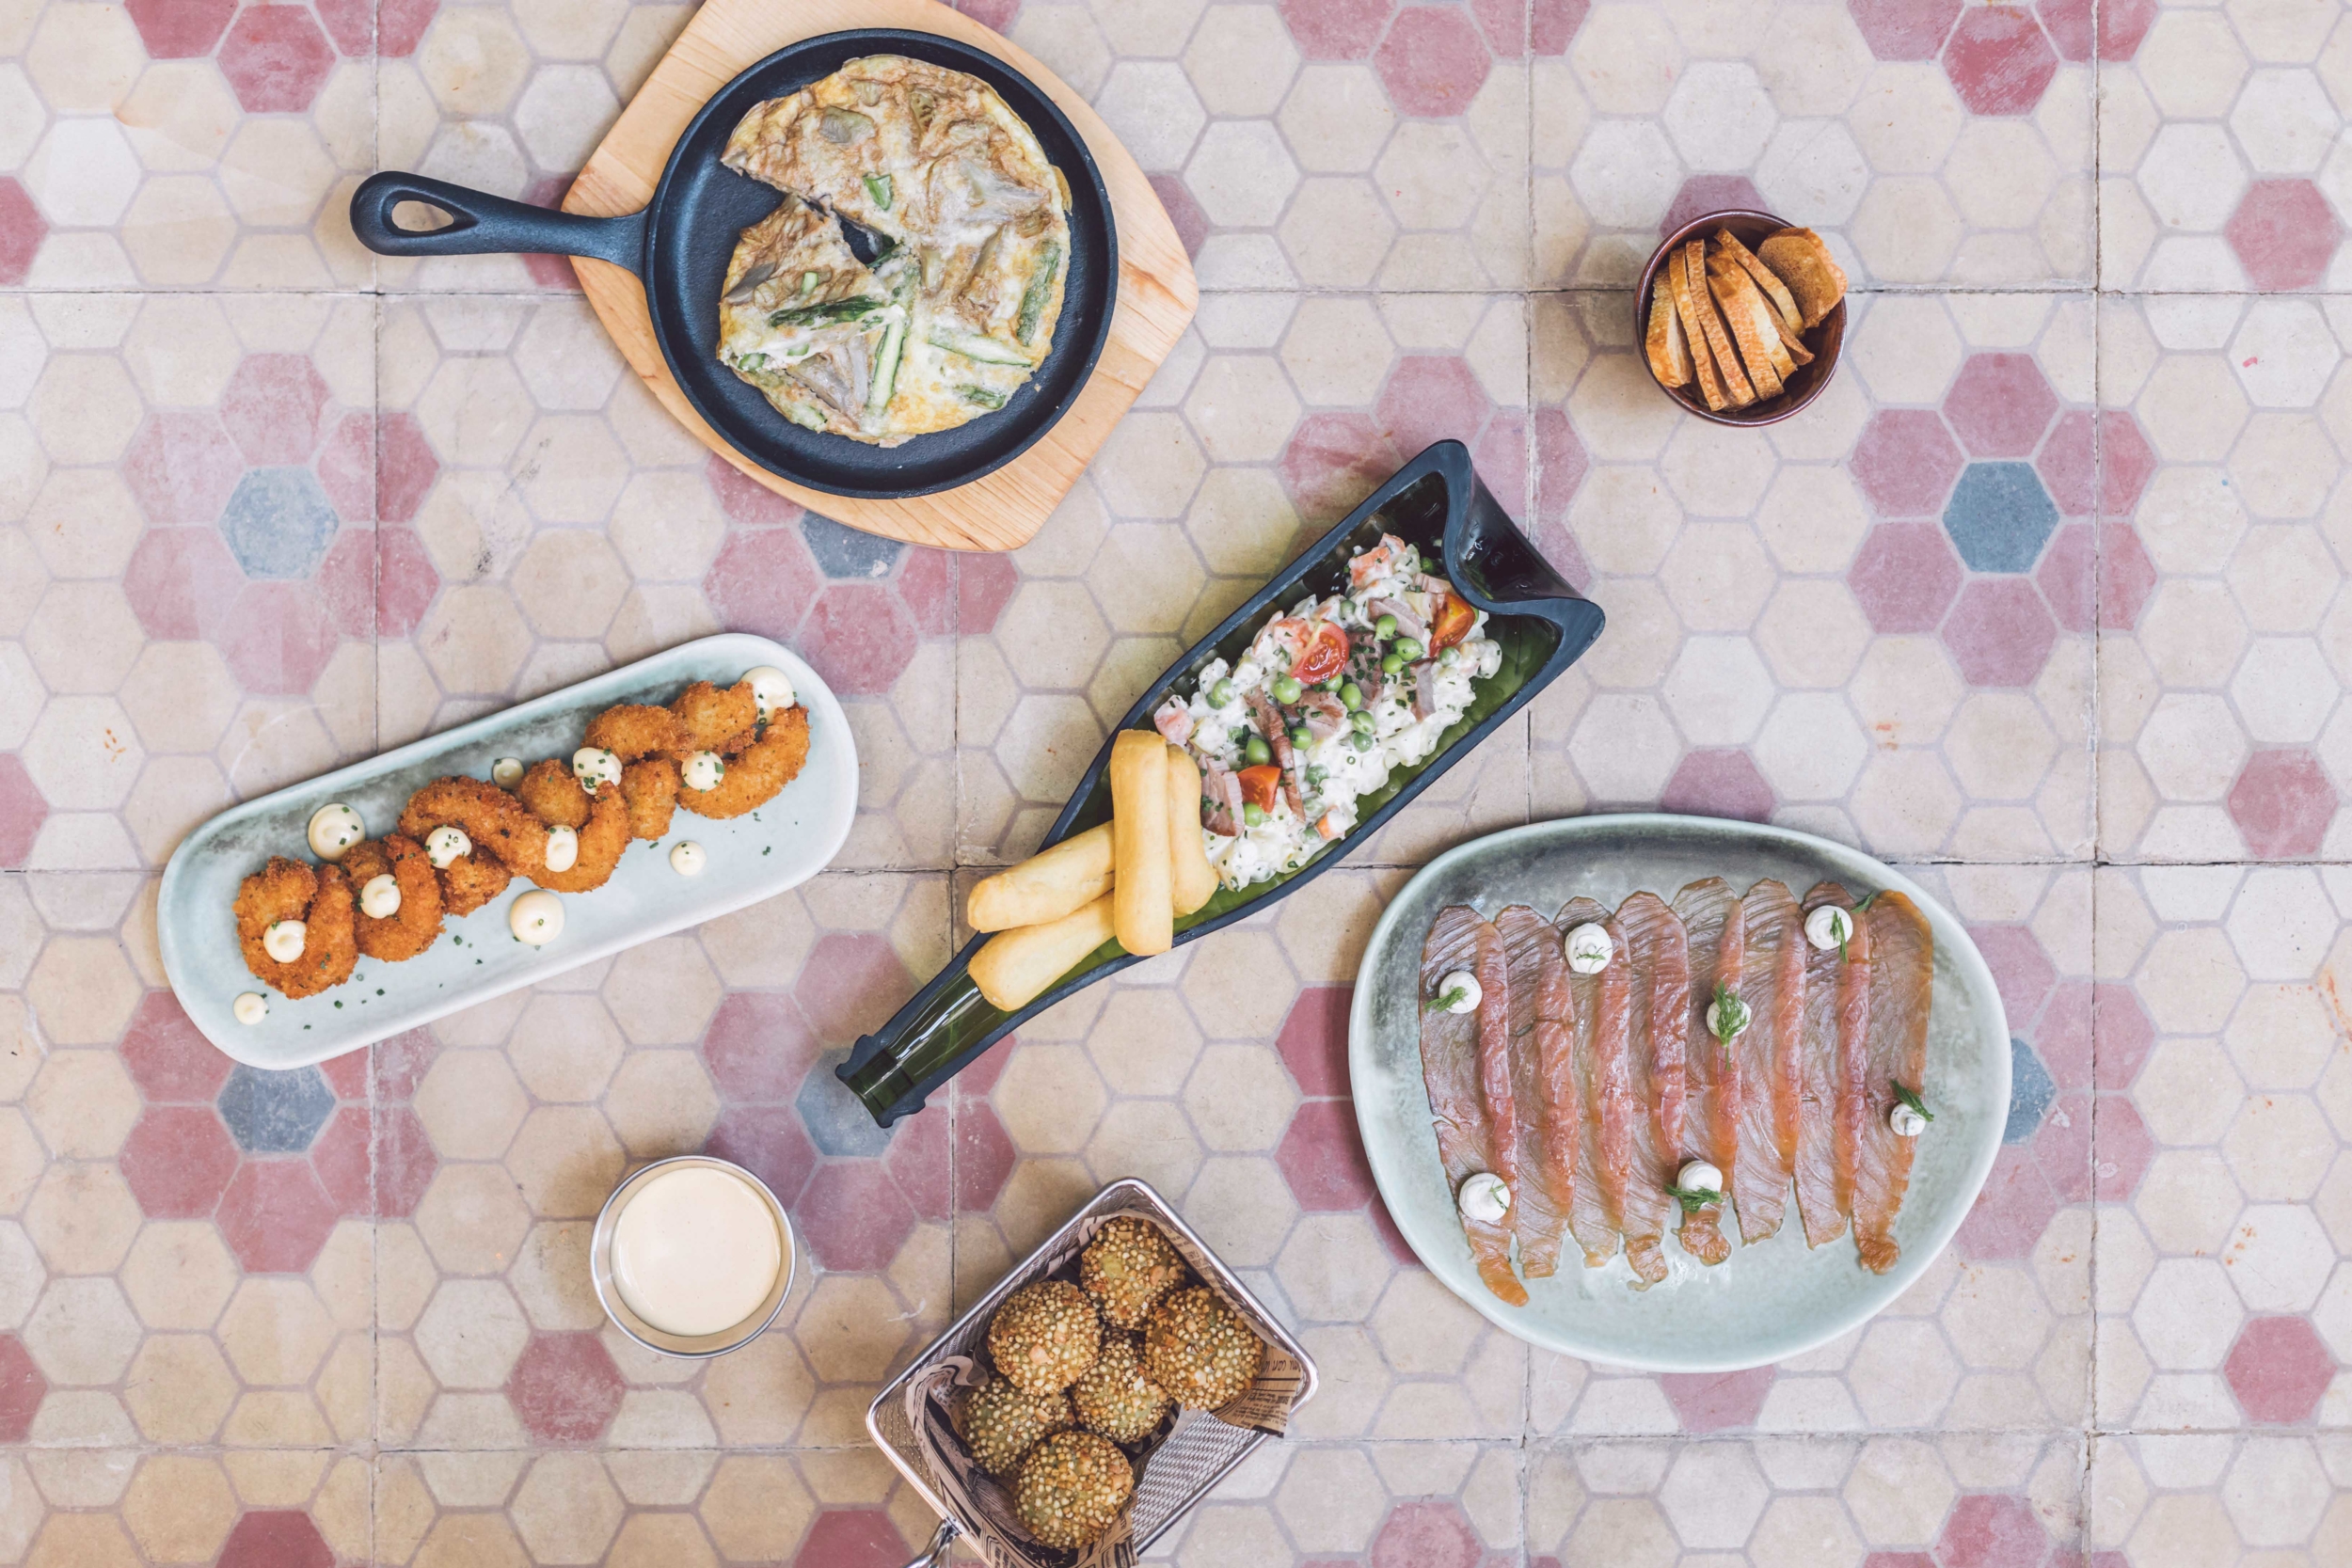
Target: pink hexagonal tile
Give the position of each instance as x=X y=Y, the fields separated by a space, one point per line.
x=854 y=1216
x=851 y=981
x=2123 y=1032
x=404 y=1162
x=22 y=810
x=348 y=1076
x=925 y=584
x=2068 y=573
x=763 y=581
x=180 y=29
x=2061 y=1148
x=1702 y=194
x=984 y=1156
x=1716 y=1401
x=1313 y=1039
x=1551 y=24
x=272 y=405
x=918 y=1160
x=275 y=1215
x=181 y=468
x=346 y=468
x=2126 y=463
x=1430 y=397
x=182 y=582
x=998 y=14
x=276 y=1538
x=2000 y=60
x=1425 y=1533
x=2068 y=465
x=2279 y=1368
x=2010 y=1213
x=1718 y=784
x=276 y=58
x=1904 y=29
x=400 y=25
x=21 y=1389
x=859 y=636
x=854 y=1537
x=2285 y=233
x=2020 y=968
x=350 y=23
x=178 y=1161
x=1336 y=29
x=279 y=638
x=566 y=1388
x=1332 y=461
x=984 y=585
x=1995 y=1530
x=1999 y=405
x=2282 y=802
x=405 y=467
x=22 y=230
x=1321 y=1157
x=1561 y=464
x=1906 y=462
x=1176 y=199
x=1499 y=456
x=167 y=1057
x=2123 y=24
x=745 y=501
x=2001 y=632
x=759 y=1046
x=2061 y=1036
x=1905 y=576
x=345 y=1157
x=346 y=581
x=406 y=581
x=1433 y=61
x=768 y=1141
x=397 y=1066
x=2124 y=1147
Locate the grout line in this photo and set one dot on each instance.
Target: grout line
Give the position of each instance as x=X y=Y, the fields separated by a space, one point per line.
x=2085 y=1497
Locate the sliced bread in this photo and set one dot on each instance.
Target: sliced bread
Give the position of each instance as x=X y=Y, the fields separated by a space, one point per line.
x=1803 y=263
x=1738 y=298
x=1669 y=350
x=1736 y=385
x=1765 y=278
x=1694 y=335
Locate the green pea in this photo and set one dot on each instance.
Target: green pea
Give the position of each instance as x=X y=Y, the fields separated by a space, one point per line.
x=1220 y=695
x=1316 y=775
x=1362 y=742
x=1391 y=663
x=1351 y=696
x=1300 y=734
x=1287 y=689
x=1363 y=723
x=1407 y=649
x=1257 y=750
x=1385 y=626
x=1252 y=813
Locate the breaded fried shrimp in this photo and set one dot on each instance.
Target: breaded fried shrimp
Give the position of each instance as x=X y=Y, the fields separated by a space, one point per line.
x=287 y=890
x=650 y=788
x=633 y=730
x=553 y=795
x=755 y=773
x=411 y=929
x=496 y=821
x=710 y=720
x=472 y=880
x=602 y=837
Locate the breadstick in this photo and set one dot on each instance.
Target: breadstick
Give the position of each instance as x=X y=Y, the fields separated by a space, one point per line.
x=1191 y=876
x=1046 y=886
x=1142 y=892
x=1015 y=967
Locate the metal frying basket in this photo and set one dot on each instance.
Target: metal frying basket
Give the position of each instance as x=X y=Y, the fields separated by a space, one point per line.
x=1185 y=1466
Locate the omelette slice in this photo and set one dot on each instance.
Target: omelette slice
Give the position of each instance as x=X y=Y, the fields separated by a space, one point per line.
x=958 y=310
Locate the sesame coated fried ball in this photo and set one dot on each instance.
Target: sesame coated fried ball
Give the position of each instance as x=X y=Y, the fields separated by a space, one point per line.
x=1116 y=1398
x=1044 y=1336
x=1001 y=1424
x=1198 y=1349
x=1127 y=1267
x=1072 y=1488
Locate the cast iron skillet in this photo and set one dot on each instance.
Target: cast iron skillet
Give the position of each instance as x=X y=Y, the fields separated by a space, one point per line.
x=679 y=246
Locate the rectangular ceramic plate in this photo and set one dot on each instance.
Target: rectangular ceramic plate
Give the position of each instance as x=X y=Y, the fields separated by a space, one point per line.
x=1767 y=1302
x=752 y=857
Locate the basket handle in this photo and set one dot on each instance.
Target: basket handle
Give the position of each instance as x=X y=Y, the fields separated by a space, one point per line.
x=936 y=1553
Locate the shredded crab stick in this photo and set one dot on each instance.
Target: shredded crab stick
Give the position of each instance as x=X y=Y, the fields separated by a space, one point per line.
x=1772 y=983
x=1543 y=1084
x=1604 y=1088
x=1459 y=1053
x=1716 y=1016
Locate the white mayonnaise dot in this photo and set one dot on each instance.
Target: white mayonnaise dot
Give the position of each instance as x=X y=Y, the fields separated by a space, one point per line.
x=1589 y=948
x=444 y=845
x=771 y=688
x=687 y=858
x=1904 y=1122
x=1828 y=926
x=563 y=848
x=284 y=939
x=333 y=829
x=1728 y=1029
x=251 y=1007
x=593 y=766
x=507 y=772
x=1484 y=1199
x=1699 y=1176
x=536 y=917
x=380 y=898
x=704 y=770
x=1462 y=986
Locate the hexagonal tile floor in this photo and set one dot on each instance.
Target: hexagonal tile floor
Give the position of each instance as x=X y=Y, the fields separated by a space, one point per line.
x=2042 y=599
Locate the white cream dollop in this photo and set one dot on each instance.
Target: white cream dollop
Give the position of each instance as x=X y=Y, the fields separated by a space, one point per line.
x=703 y=770
x=771 y=688
x=536 y=917
x=687 y=858
x=507 y=772
x=443 y=844
x=1904 y=1122
x=284 y=939
x=251 y=1007
x=1697 y=1176
x=1463 y=987
x=380 y=898
x=1589 y=949
x=563 y=848
x=1828 y=926
x=1484 y=1199
x=595 y=767
x=335 y=829
x=1728 y=1029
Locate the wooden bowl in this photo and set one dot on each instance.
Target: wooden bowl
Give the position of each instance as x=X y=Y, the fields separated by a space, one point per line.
x=1827 y=338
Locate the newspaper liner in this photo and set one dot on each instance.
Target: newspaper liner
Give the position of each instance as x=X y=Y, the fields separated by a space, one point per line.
x=1178 y=1463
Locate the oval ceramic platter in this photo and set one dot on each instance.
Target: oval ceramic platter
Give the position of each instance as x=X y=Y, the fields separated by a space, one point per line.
x=752 y=857
x=1767 y=1302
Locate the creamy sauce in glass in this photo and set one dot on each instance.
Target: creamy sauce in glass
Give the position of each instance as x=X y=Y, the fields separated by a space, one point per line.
x=695 y=1251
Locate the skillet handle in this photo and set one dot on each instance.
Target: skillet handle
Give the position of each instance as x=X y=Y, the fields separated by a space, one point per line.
x=487 y=225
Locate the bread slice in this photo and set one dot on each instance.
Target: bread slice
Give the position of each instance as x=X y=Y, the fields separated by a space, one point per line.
x=1686 y=310
x=1669 y=350
x=1736 y=386
x=1803 y=264
x=1765 y=278
x=1733 y=291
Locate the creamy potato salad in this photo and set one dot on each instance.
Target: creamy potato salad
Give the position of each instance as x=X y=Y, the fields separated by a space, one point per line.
x=1327 y=701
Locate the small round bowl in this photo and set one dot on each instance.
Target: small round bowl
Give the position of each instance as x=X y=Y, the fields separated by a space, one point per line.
x=1827 y=338
x=699 y=1345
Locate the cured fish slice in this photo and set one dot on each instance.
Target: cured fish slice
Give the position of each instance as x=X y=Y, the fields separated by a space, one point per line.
x=1659 y=1003
x=1604 y=1086
x=1455 y=1055
x=1712 y=925
x=1829 y=1117
x=1902 y=973
x=1544 y=1085
x=1772 y=983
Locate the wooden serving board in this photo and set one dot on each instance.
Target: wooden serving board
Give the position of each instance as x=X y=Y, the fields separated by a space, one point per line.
x=1156 y=289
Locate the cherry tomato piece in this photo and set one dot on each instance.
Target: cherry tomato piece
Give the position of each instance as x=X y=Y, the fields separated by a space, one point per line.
x=1325 y=656
x=1260 y=786
x=1454 y=623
